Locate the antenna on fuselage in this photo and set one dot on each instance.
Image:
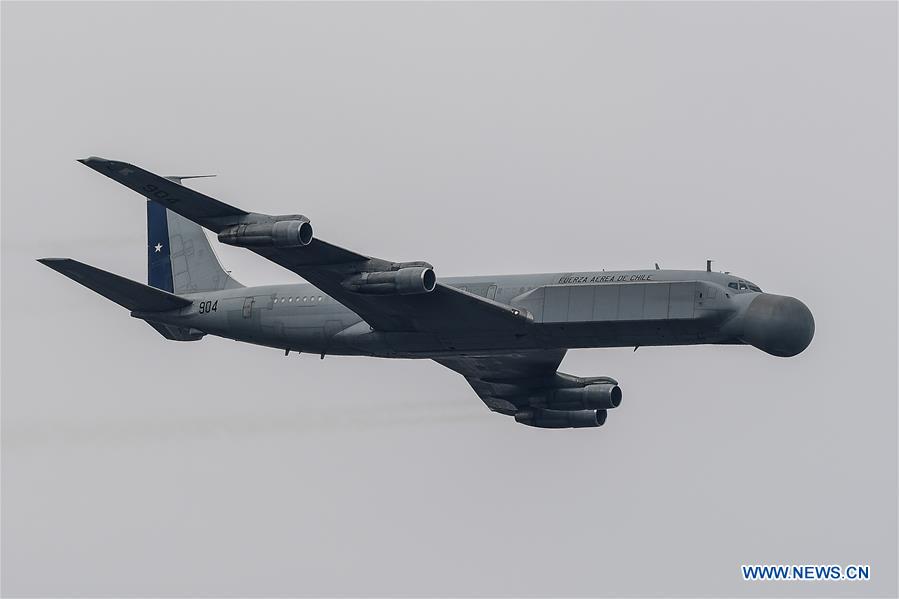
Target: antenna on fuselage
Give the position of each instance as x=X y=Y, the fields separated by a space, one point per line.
x=708 y=266
x=657 y=266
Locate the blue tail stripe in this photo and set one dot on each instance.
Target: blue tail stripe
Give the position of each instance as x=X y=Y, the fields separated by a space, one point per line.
x=159 y=263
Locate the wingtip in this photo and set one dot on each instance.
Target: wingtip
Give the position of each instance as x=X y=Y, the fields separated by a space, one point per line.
x=55 y=263
x=93 y=160
x=49 y=261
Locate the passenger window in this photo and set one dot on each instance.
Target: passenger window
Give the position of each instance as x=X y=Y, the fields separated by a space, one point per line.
x=304 y=298
x=732 y=285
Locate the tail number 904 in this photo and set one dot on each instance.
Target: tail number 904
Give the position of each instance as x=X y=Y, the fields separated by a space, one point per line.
x=208 y=306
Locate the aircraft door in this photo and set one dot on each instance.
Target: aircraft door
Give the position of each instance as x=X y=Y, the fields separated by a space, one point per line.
x=248 y=307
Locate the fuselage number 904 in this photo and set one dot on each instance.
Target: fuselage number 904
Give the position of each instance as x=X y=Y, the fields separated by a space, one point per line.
x=208 y=306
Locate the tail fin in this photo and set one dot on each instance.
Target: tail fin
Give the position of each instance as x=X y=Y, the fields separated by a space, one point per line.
x=179 y=257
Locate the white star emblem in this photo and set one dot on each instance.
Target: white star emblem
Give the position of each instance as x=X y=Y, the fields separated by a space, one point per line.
x=158 y=247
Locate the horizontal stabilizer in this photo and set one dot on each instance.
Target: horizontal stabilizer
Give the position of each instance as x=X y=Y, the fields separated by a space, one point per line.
x=176 y=333
x=135 y=296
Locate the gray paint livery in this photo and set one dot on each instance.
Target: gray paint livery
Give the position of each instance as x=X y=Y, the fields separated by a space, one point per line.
x=506 y=334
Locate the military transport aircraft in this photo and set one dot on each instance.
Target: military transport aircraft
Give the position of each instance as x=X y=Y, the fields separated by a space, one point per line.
x=505 y=334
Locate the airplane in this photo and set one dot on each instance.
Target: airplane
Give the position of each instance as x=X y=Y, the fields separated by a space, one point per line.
x=506 y=334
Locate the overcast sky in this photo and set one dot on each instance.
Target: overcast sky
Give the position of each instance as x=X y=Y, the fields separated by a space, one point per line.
x=488 y=138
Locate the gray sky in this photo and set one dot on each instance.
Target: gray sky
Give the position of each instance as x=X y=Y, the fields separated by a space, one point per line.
x=489 y=138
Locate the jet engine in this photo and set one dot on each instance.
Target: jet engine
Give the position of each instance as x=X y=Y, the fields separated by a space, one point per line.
x=404 y=281
x=541 y=418
x=597 y=396
x=282 y=234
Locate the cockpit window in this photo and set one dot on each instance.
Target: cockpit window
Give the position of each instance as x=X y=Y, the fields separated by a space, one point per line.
x=744 y=286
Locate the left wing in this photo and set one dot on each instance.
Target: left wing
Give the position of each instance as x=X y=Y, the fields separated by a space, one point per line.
x=328 y=267
x=201 y=209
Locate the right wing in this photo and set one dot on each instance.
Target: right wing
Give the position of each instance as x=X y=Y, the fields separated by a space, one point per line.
x=327 y=266
x=499 y=379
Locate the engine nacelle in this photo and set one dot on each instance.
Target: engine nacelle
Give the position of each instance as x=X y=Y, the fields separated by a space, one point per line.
x=541 y=418
x=598 y=396
x=282 y=234
x=404 y=281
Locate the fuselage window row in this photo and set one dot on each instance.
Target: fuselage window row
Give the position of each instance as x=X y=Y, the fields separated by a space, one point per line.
x=306 y=299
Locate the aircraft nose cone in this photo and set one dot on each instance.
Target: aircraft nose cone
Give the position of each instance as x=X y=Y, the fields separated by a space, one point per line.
x=779 y=325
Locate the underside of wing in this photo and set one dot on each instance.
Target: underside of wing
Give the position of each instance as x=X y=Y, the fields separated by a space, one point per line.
x=528 y=386
x=503 y=381
x=382 y=292
x=213 y=214
x=187 y=202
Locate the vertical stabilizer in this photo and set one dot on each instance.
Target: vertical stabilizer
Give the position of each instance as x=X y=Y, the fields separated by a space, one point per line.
x=179 y=256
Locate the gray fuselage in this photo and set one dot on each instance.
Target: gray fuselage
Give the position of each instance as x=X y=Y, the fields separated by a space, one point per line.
x=570 y=310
